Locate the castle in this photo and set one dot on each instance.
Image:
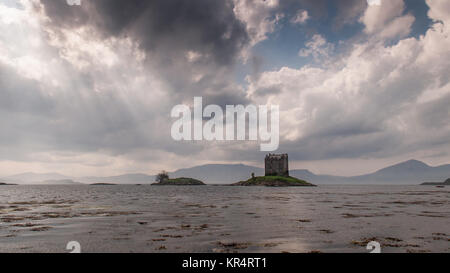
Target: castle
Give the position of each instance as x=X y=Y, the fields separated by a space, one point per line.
x=276 y=165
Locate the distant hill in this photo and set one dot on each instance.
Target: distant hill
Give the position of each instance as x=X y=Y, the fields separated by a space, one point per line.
x=219 y=173
x=408 y=172
x=318 y=179
x=58 y=182
x=44 y=182
x=34 y=178
x=134 y=178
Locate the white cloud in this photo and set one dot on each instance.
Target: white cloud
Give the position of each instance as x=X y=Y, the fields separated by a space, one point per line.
x=193 y=56
x=68 y=93
x=317 y=47
x=439 y=10
x=386 y=20
x=300 y=18
x=74 y=101
x=373 y=100
x=399 y=27
x=374 y=2
x=260 y=17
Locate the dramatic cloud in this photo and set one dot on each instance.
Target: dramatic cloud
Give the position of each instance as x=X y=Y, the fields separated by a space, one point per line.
x=210 y=27
x=375 y=101
x=88 y=89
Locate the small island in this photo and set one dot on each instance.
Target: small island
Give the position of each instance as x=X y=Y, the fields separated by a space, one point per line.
x=162 y=179
x=182 y=181
x=274 y=181
x=445 y=183
x=6 y=184
x=276 y=174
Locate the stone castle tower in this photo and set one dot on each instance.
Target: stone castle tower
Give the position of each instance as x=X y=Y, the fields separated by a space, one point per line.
x=276 y=165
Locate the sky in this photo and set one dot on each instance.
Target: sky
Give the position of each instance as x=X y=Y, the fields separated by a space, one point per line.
x=88 y=90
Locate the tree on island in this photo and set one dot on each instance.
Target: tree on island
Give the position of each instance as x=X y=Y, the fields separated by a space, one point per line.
x=160 y=177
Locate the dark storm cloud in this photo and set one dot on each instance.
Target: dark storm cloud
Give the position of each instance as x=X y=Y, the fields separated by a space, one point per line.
x=123 y=109
x=206 y=26
x=167 y=31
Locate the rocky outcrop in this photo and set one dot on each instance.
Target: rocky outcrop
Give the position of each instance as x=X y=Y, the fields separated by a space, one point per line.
x=182 y=181
x=445 y=183
x=274 y=181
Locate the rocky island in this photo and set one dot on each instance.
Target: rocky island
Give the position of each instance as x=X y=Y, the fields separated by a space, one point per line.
x=274 y=181
x=182 y=181
x=6 y=184
x=445 y=183
x=162 y=179
x=276 y=174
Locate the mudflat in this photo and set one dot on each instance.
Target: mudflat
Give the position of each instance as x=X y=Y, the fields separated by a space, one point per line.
x=145 y=218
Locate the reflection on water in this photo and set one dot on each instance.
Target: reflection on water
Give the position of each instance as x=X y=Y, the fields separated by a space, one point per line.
x=224 y=219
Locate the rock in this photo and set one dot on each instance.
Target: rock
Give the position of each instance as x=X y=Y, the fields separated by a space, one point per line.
x=274 y=181
x=6 y=184
x=182 y=181
x=445 y=183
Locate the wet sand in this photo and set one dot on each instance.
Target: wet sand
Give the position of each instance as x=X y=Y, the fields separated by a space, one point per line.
x=224 y=219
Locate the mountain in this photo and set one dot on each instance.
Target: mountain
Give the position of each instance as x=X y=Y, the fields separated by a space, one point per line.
x=33 y=178
x=219 y=173
x=408 y=172
x=57 y=182
x=134 y=178
x=318 y=179
x=211 y=174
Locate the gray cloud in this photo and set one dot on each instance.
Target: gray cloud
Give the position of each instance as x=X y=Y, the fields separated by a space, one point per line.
x=167 y=31
x=108 y=103
x=172 y=27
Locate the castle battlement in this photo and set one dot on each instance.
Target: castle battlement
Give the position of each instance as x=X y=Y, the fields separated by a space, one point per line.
x=276 y=165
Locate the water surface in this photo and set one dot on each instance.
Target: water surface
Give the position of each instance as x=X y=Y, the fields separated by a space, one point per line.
x=224 y=219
